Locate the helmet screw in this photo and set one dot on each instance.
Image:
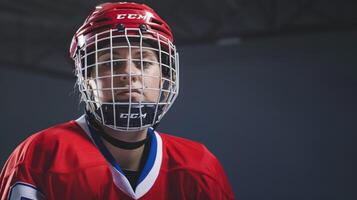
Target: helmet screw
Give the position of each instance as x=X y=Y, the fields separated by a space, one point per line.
x=143 y=27
x=120 y=27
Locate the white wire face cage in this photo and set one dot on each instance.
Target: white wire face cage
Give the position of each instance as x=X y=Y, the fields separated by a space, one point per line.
x=128 y=79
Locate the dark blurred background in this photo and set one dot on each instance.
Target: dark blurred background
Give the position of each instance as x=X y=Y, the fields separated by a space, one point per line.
x=268 y=85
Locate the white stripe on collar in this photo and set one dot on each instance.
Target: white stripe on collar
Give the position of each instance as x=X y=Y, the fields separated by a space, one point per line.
x=120 y=180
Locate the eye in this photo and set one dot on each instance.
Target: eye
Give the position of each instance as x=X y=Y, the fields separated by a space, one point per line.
x=107 y=65
x=106 y=68
x=103 y=69
x=146 y=64
x=118 y=63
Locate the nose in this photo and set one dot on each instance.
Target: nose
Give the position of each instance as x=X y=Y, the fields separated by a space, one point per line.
x=127 y=70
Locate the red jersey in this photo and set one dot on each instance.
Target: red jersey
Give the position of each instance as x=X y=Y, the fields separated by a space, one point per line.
x=68 y=162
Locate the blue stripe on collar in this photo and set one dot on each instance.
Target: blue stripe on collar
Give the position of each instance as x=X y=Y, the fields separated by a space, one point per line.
x=103 y=149
x=109 y=157
x=151 y=157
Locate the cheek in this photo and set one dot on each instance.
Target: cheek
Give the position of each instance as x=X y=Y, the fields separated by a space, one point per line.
x=97 y=87
x=152 y=85
x=152 y=79
x=152 y=82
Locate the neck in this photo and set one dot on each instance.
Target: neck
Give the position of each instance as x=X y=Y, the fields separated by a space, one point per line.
x=126 y=136
x=127 y=159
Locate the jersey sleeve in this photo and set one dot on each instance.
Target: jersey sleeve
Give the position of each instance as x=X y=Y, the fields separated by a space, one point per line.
x=215 y=184
x=17 y=180
x=18 y=183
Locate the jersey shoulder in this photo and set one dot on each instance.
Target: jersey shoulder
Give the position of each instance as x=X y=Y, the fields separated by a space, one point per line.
x=194 y=165
x=56 y=149
x=185 y=153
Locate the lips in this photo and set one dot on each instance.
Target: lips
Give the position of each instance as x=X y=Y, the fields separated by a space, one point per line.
x=127 y=91
x=125 y=95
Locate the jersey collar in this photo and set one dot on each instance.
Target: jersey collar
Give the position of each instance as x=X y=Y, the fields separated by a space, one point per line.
x=148 y=174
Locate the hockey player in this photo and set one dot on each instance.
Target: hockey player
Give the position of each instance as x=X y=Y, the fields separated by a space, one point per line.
x=127 y=73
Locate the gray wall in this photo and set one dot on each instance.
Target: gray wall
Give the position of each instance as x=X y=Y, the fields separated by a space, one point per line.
x=279 y=113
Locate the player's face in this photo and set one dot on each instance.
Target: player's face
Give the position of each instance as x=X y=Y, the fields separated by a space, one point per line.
x=128 y=70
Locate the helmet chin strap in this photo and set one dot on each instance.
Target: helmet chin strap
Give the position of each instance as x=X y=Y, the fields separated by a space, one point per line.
x=122 y=144
x=93 y=123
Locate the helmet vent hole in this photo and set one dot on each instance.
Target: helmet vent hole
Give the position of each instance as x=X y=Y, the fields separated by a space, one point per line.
x=159 y=30
x=156 y=21
x=101 y=20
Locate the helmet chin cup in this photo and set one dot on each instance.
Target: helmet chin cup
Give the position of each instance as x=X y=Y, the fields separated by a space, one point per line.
x=129 y=117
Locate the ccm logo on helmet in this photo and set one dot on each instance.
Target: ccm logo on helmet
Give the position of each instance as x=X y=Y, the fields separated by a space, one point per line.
x=132 y=115
x=133 y=16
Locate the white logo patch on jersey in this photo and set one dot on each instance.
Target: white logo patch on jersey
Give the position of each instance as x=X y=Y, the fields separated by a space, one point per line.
x=20 y=191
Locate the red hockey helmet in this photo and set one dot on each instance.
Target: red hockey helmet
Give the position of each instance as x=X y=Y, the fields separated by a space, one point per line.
x=120 y=15
x=117 y=33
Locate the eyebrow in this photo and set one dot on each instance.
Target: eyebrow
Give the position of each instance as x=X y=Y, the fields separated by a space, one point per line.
x=146 y=53
x=107 y=54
